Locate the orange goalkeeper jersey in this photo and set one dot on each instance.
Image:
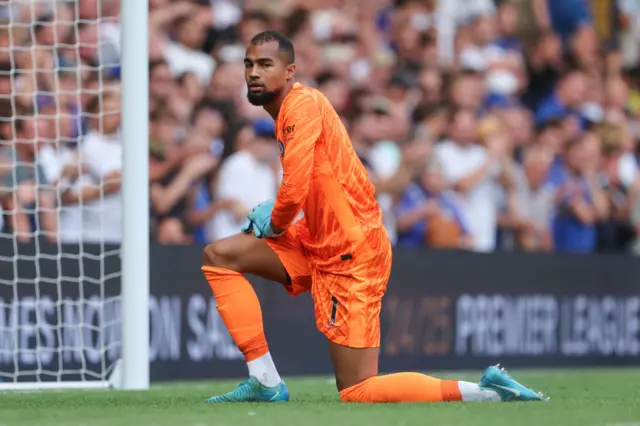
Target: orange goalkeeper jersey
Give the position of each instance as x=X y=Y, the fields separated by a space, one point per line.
x=323 y=177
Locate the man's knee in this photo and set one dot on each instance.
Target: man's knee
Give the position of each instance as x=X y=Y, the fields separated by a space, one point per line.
x=244 y=254
x=219 y=254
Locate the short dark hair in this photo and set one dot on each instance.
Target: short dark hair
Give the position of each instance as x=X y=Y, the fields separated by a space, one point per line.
x=285 y=45
x=551 y=124
x=573 y=142
x=430 y=109
x=295 y=22
x=23 y=115
x=325 y=77
x=156 y=63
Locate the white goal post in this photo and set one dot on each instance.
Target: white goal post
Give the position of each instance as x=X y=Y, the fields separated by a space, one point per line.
x=74 y=312
x=135 y=249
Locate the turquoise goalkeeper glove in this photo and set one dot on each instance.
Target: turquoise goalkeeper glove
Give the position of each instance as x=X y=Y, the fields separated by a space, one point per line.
x=260 y=221
x=248 y=227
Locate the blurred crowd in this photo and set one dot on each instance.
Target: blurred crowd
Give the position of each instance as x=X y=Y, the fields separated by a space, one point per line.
x=485 y=125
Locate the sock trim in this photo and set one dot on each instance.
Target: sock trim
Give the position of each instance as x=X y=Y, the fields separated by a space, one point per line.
x=346 y=392
x=254 y=348
x=219 y=271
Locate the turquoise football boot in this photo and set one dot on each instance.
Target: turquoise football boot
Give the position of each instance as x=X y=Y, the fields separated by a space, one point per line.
x=497 y=379
x=254 y=391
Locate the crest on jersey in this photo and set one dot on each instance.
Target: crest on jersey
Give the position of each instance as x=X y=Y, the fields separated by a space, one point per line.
x=281 y=148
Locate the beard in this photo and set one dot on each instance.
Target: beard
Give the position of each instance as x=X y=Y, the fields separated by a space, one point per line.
x=262 y=98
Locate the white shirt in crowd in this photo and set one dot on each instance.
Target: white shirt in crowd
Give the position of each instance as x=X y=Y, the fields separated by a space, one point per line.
x=101 y=219
x=245 y=179
x=181 y=59
x=385 y=158
x=53 y=163
x=628 y=170
x=110 y=47
x=453 y=13
x=226 y=13
x=70 y=216
x=480 y=204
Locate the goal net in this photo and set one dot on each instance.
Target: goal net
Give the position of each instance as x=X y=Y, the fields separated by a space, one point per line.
x=61 y=202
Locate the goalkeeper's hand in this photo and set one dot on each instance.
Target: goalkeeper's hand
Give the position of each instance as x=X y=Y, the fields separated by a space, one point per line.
x=260 y=221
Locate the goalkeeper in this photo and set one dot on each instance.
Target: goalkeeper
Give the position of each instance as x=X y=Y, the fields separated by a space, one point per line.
x=339 y=251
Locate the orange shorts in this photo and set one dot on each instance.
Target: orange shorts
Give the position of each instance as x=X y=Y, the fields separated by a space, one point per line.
x=347 y=304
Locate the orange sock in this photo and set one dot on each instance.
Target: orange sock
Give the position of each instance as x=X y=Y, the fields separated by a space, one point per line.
x=240 y=310
x=402 y=387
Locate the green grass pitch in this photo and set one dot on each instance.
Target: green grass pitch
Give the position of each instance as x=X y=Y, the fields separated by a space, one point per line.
x=589 y=397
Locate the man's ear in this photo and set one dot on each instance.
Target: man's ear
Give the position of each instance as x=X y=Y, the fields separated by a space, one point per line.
x=291 y=72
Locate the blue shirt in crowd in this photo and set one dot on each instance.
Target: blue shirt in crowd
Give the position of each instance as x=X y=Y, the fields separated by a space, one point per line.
x=552 y=109
x=568 y=15
x=414 y=196
x=201 y=203
x=570 y=235
x=556 y=175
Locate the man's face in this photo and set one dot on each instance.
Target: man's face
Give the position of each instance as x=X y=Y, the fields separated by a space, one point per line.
x=467 y=92
x=575 y=87
x=192 y=33
x=33 y=133
x=551 y=139
x=434 y=181
x=508 y=19
x=431 y=83
x=485 y=30
x=89 y=40
x=518 y=123
x=211 y=122
x=536 y=169
x=161 y=81
x=464 y=126
x=264 y=148
x=5 y=85
x=266 y=71
x=577 y=156
x=110 y=114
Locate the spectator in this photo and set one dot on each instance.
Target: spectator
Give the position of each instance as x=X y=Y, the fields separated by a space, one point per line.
x=580 y=203
x=551 y=137
x=630 y=16
x=452 y=14
x=508 y=19
x=584 y=49
x=531 y=215
x=466 y=90
x=544 y=68
x=431 y=83
x=564 y=17
x=161 y=83
x=247 y=177
x=432 y=120
x=183 y=54
x=618 y=183
x=99 y=195
x=430 y=215
x=482 y=51
x=23 y=184
x=634 y=218
x=172 y=195
x=565 y=102
x=475 y=171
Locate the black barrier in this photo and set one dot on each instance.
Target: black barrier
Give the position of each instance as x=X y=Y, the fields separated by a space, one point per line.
x=442 y=310
x=464 y=310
